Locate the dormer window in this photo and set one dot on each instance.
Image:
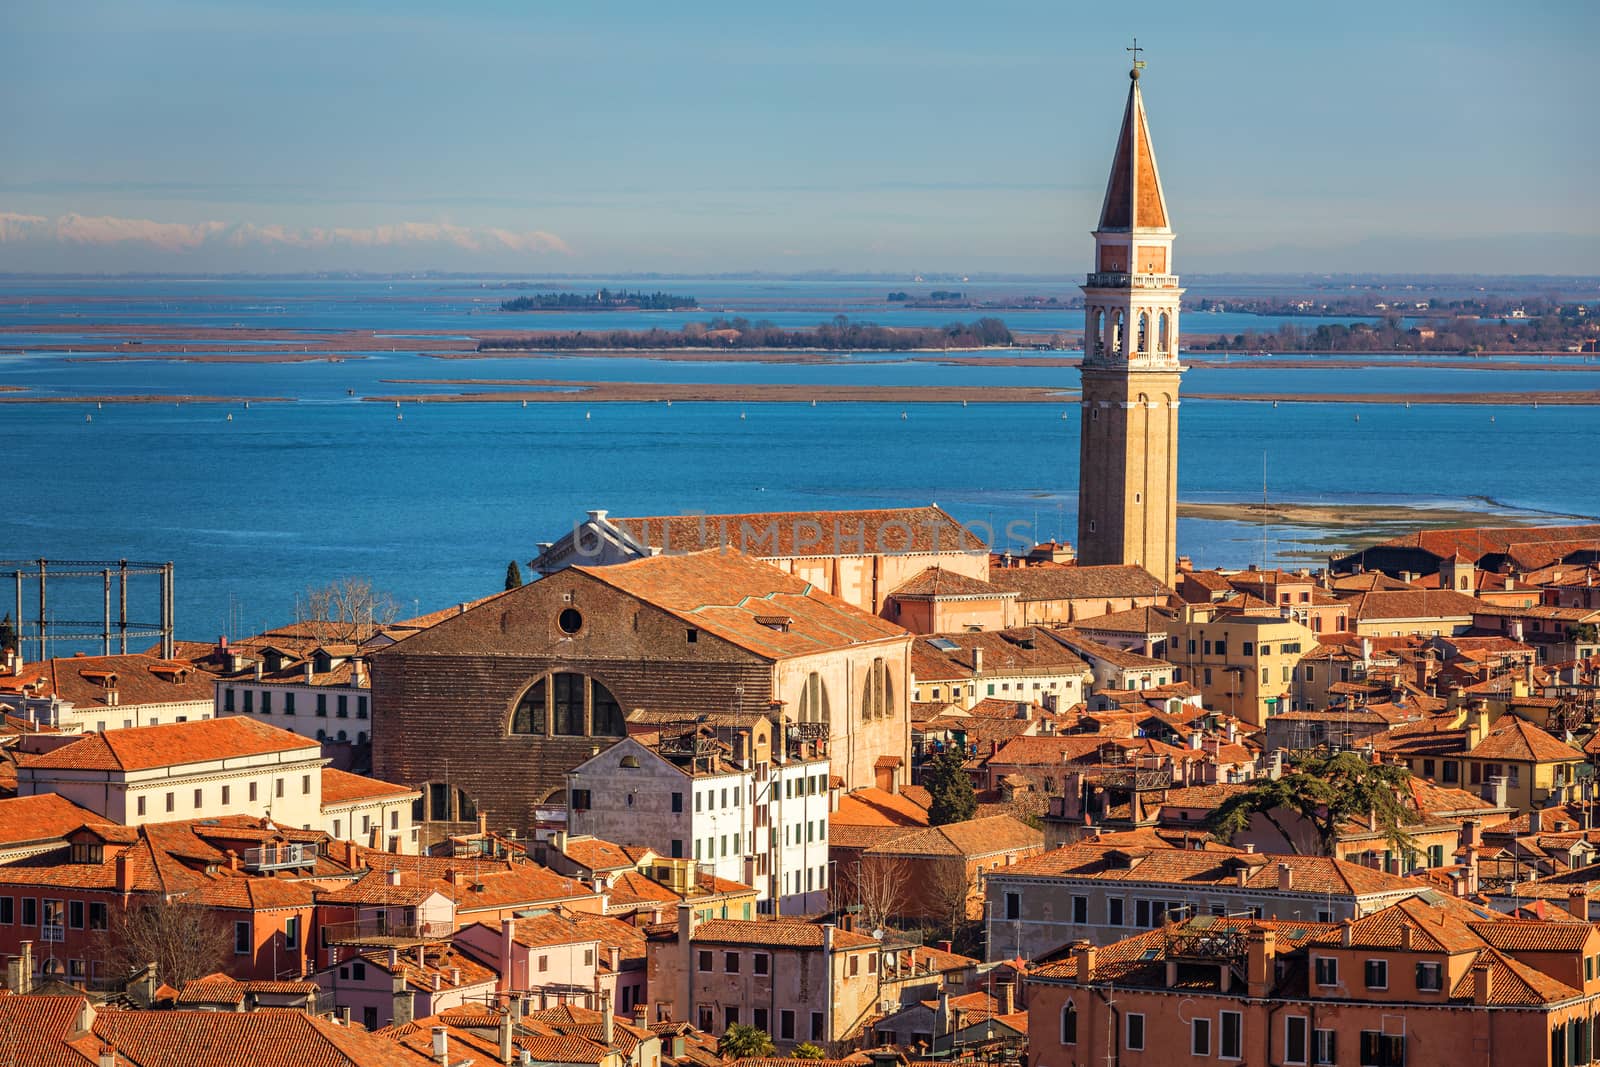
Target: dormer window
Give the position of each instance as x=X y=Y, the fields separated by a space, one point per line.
x=88 y=852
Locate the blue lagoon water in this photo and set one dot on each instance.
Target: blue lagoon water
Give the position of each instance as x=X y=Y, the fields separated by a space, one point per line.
x=431 y=506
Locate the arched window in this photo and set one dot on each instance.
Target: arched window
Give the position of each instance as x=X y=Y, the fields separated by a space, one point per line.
x=529 y=716
x=814 y=700
x=1118 y=335
x=1093 y=324
x=875 y=696
x=568 y=705
x=1069 y=1024
x=1144 y=333
x=1164 y=332
x=344 y=735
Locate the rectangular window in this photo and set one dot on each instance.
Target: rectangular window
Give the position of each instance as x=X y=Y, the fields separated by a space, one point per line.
x=139 y=805
x=1200 y=1037
x=1377 y=974
x=730 y=963
x=785 y=1025
x=705 y=960
x=277 y=787
x=818 y=1031
x=1294 y=1039
x=252 y=792
x=1135 y=1041
x=1141 y=914
x=1080 y=910
x=30 y=911
x=1231 y=1043
x=344 y=706
x=1327 y=970
x=758 y=1018
x=677 y=802
x=759 y=963
x=98 y=919
x=266 y=702
x=75 y=914
x=1248 y=648
x=241 y=939
x=305 y=785
x=1013 y=905
x=730 y=1017
x=8 y=911
x=288 y=703
x=199 y=799
x=361 y=707
x=1324 y=1047
x=227 y=792
x=322 y=705
x=697 y=798
x=291 y=933
x=227 y=700
x=1379 y=1049
x=1114 y=911
x=249 y=701
x=1429 y=977
x=172 y=802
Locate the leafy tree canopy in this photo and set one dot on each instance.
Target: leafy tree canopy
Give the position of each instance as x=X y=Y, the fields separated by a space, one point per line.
x=950 y=786
x=1327 y=791
x=741 y=1042
x=807 y=1051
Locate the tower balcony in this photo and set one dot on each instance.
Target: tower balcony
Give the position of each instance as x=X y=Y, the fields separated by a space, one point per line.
x=1122 y=280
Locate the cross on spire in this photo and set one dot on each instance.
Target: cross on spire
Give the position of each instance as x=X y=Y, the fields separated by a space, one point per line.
x=1138 y=64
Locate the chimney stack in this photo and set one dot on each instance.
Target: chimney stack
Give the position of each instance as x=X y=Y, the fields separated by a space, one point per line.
x=1482 y=982
x=1084 y=954
x=608 y=1020
x=441 y=1046
x=1578 y=902
x=977 y=659
x=1259 y=969
x=505 y=1030
x=1285 y=878
x=402 y=1005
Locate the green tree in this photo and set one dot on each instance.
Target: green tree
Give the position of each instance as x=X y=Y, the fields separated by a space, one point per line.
x=807 y=1051
x=741 y=1042
x=8 y=634
x=1327 y=792
x=950 y=787
x=513 y=575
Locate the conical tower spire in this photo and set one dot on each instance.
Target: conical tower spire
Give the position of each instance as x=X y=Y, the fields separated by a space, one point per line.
x=1134 y=200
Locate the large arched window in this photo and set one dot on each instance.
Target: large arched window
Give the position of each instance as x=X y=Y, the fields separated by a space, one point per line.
x=1144 y=334
x=1164 y=333
x=814 y=700
x=1069 y=1024
x=876 y=695
x=566 y=704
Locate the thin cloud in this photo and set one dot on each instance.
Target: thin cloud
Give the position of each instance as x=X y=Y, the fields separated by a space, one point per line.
x=103 y=230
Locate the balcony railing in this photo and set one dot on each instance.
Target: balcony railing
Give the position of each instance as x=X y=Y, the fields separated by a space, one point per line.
x=385 y=932
x=278 y=857
x=52 y=933
x=1107 y=279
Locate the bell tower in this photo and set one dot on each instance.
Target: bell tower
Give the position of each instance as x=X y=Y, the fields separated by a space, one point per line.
x=1128 y=458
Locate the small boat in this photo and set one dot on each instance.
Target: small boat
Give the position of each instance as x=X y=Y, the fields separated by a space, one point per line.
x=588 y=414
x=399 y=416
x=963 y=403
x=1358 y=418
x=247 y=405
x=1064 y=414
x=397 y=403
x=813 y=403
x=230 y=416
x=741 y=415
x=98 y=405
x=349 y=392
x=904 y=416
x=88 y=418
x=669 y=403
x=524 y=403
x=1274 y=403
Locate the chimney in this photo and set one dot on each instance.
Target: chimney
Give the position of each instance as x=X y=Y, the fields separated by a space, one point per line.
x=107 y=1057
x=1494 y=791
x=1535 y=821
x=455 y=976
x=394 y=958
x=441 y=1046
x=1084 y=953
x=641 y=1017
x=608 y=1020
x=1196 y=738
x=686 y=926
x=1472 y=870
x=1008 y=998
x=1482 y=979
x=124 y=875
x=506 y=1027
x=1259 y=969
x=438 y=981
x=260 y=670
x=1407 y=937
x=400 y=994
x=941 y=1019
x=1471 y=833
x=1347 y=934
x=394 y=876
x=616 y=959
x=1285 y=878
x=508 y=938
x=1578 y=902
x=977 y=659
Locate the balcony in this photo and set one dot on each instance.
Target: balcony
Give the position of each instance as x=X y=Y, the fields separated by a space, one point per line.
x=280 y=857
x=52 y=932
x=1203 y=939
x=1120 y=280
x=385 y=933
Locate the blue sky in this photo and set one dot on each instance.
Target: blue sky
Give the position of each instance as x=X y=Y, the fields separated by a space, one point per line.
x=1452 y=136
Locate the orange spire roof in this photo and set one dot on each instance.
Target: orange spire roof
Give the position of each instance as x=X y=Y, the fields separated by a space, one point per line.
x=1134 y=200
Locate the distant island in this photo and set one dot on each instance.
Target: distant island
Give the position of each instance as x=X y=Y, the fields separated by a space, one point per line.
x=604 y=300
x=840 y=333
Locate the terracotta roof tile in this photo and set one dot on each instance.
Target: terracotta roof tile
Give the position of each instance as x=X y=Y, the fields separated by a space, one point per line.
x=149 y=747
x=941 y=583
x=1101 y=582
x=799 y=534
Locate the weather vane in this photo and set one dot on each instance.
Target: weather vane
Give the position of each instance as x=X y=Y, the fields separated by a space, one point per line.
x=1138 y=64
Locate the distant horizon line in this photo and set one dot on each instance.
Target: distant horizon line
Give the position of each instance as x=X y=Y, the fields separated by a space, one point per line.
x=812 y=275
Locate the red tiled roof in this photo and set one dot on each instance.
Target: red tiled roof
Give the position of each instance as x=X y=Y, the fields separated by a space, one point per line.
x=1517 y=739
x=975 y=837
x=1413 y=604
x=799 y=534
x=940 y=583
x=342 y=787
x=137 y=678
x=219 y=1038
x=148 y=747
x=723 y=593
x=1100 y=582
x=778 y=933
x=26 y=820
